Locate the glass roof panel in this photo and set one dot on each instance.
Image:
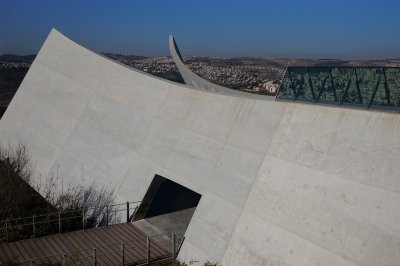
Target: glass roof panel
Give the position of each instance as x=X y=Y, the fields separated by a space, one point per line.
x=360 y=87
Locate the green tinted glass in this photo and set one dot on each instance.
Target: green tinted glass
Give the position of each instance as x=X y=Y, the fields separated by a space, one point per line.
x=361 y=87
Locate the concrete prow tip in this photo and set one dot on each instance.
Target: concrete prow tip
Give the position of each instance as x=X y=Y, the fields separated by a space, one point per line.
x=173 y=48
x=198 y=82
x=55 y=31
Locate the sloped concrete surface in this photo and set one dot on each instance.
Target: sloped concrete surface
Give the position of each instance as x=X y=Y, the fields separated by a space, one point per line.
x=281 y=183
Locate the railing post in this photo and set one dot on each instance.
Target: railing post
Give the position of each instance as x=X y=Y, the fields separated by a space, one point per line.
x=127 y=211
x=6 y=230
x=148 y=250
x=33 y=226
x=173 y=242
x=59 y=222
x=83 y=219
x=94 y=257
x=107 y=215
x=122 y=254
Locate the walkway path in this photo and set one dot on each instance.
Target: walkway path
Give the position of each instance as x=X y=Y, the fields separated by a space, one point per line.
x=84 y=246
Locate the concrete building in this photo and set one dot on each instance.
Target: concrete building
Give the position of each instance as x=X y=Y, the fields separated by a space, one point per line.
x=281 y=183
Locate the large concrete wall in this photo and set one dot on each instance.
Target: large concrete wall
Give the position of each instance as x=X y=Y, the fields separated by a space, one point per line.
x=281 y=183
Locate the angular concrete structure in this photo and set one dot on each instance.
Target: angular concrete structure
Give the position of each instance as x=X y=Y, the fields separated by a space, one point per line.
x=282 y=183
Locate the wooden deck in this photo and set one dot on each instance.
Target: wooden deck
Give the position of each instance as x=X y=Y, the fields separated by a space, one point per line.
x=78 y=247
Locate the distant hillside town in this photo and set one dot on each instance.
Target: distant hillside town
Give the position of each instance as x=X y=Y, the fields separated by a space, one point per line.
x=248 y=74
x=256 y=75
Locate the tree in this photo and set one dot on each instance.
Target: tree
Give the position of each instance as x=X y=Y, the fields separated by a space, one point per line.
x=19 y=197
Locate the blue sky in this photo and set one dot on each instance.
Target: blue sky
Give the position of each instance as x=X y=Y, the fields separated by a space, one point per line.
x=346 y=29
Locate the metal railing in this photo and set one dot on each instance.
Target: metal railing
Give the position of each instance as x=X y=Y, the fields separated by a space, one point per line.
x=158 y=248
x=66 y=221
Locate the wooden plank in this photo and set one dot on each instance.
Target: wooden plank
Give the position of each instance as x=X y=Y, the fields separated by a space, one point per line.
x=59 y=240
x=6 y=253
x=107 y=241
x=127 y=235
x=102 y=235
x=134 y=233
x=110 y=235
x=55 y=249
x=75 y=242
x=86 y=243
x=46 y=255
x=32 y=250
x=38 y=247
x=103 y=244
x=130 y=257
x=19 y=251
x=134 y=245
x=27 y=247
x=51 y=249
x=108 y=257
x=91 y=235
x=77 y=246
x=158 y=250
